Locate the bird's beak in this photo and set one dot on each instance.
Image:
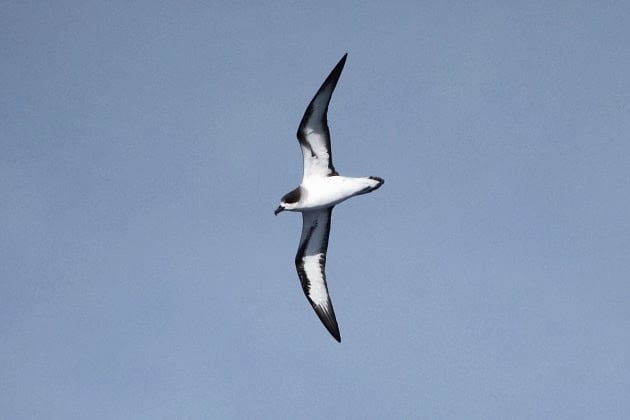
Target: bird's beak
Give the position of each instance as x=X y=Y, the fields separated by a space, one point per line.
x=278 y=210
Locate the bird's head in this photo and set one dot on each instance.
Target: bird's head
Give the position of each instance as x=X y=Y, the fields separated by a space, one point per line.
x=289 y=201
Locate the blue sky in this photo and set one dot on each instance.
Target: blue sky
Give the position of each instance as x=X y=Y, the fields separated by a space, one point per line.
x=145 y=146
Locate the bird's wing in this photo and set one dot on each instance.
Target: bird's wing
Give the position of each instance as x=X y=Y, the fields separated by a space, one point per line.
x=310 y=262
x=313 y=133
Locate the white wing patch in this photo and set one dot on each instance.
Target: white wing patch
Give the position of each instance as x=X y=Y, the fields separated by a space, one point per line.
x=315 y=153
x=314 y=270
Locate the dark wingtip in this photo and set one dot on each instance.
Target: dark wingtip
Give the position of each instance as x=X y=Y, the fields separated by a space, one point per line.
x=334 y=331
x=330 y=82
x=333 y=77
x=329 y=320
x=341 y=63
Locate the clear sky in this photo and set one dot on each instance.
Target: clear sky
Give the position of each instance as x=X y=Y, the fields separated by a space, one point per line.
x=144 y=147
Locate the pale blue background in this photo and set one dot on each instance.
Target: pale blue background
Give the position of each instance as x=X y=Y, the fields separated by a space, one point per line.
x=144 y=147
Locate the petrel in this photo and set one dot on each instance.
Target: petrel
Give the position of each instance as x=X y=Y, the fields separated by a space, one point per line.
x=321 y=189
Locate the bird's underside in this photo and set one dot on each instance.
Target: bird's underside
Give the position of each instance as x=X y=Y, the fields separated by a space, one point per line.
x=321 y=189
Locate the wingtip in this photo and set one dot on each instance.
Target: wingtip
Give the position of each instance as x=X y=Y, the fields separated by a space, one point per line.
x=336 y=72
x=342 y=61
x=327 y=316
x=334 y=331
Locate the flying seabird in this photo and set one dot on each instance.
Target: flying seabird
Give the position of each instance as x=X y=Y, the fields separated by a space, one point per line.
x=321 y=189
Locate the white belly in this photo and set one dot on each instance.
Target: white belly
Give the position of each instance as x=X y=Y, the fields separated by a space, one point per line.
x=328 y=191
